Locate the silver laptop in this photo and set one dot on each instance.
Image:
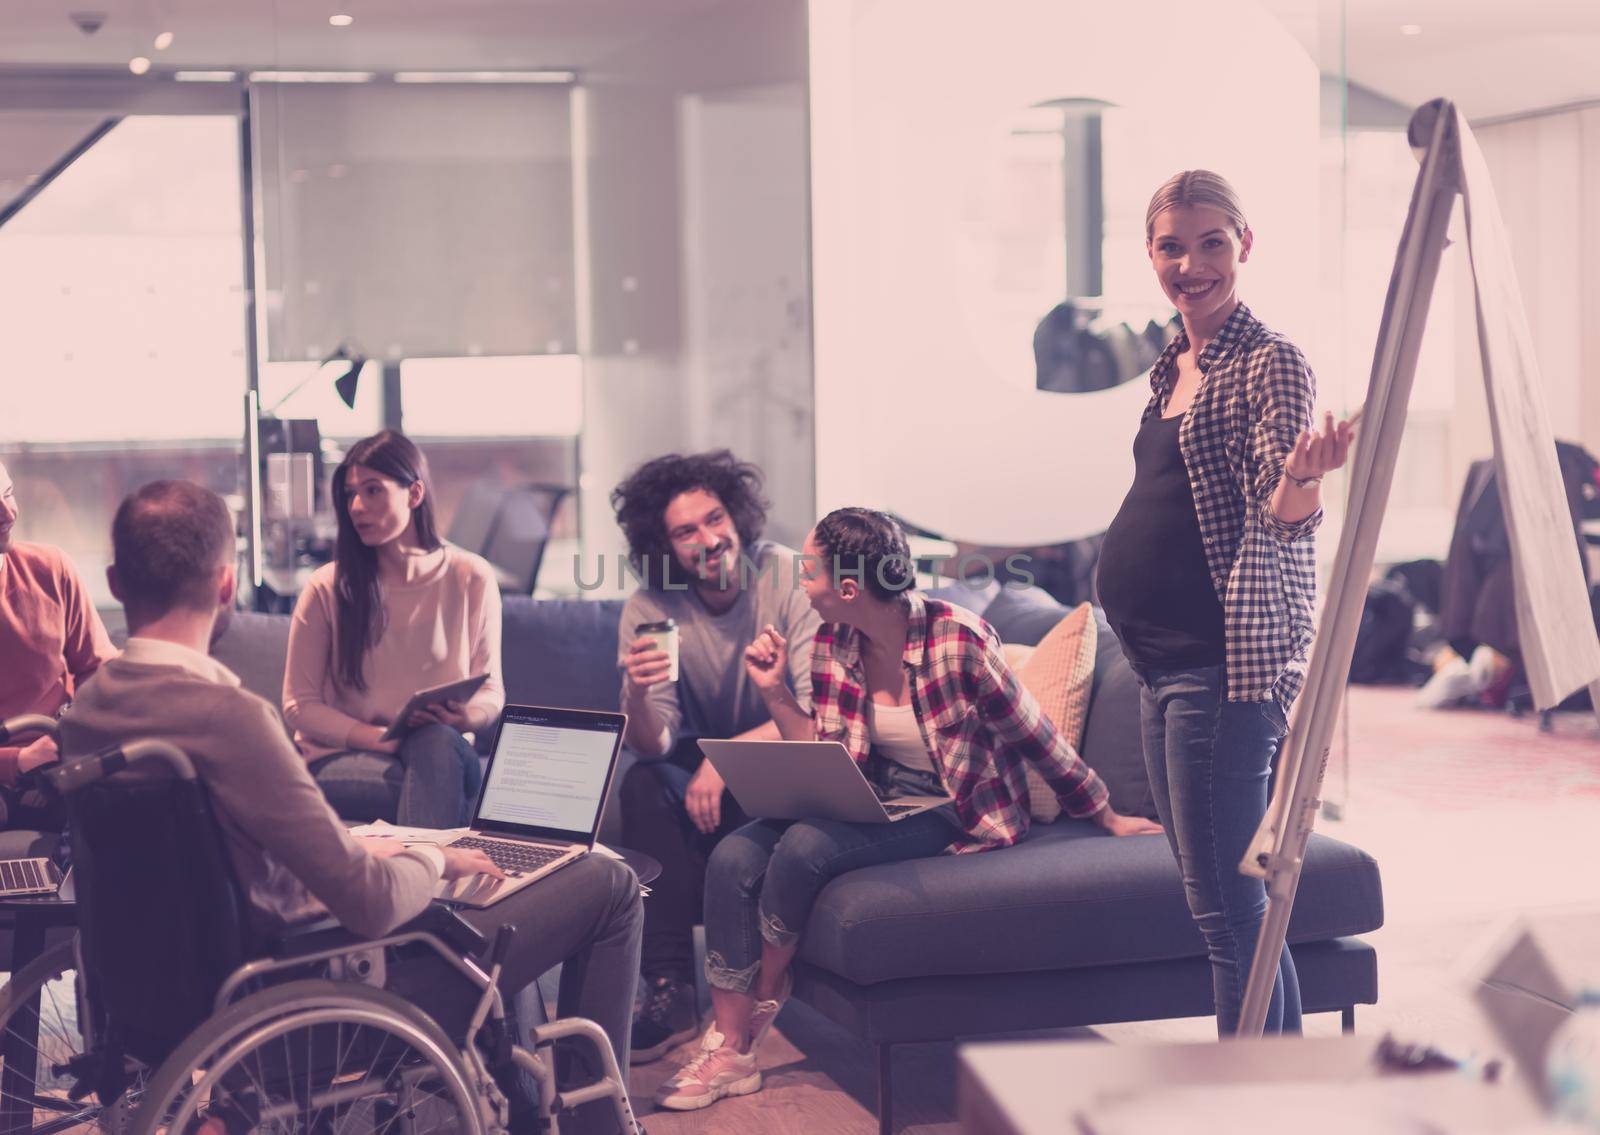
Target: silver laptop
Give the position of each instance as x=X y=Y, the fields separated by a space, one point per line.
x=543 y=792
x=806 y=780
x=22 y=878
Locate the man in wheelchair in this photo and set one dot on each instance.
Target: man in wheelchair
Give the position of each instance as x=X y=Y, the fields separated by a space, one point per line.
x=292 y=859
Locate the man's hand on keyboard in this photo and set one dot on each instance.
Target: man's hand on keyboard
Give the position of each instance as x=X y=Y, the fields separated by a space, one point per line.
x=460 y=862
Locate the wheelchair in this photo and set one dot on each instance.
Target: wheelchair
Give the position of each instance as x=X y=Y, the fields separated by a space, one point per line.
x=166 y=1014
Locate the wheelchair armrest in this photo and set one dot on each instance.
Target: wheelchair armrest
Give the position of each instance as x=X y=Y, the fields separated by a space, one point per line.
x=311 y=938
x=443 y=922
x=437 y=919
x=321 y=941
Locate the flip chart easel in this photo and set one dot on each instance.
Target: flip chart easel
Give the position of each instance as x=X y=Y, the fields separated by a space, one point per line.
x=1561 y=652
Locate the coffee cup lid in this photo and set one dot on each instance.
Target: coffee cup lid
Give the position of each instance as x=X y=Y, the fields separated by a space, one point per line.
x=663 y=625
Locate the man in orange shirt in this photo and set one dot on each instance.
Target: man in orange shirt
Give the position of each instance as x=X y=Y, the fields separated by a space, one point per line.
x=51 y=641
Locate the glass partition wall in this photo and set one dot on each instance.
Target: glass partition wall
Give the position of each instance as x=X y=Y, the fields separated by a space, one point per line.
x=124 y=336
x=418 y=261
x=548 y=249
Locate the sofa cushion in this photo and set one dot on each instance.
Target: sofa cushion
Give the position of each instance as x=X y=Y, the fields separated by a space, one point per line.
x=561 y=652
x=1058 y=673
x=967 y=593
x=1017 y=613
x=1112 y=744
x=254 y=647
x=1111 y=740
x=1023 y=614
x=1067 y=896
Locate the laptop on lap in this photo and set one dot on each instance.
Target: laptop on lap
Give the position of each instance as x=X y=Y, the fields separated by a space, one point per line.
x=548 y=777
x=806 y=780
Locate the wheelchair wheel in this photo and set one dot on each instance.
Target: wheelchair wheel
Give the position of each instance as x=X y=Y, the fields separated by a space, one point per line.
x=40 y=1034
x=312 y=1056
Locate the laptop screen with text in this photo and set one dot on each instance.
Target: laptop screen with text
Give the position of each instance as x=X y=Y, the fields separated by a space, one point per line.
x=550 y=772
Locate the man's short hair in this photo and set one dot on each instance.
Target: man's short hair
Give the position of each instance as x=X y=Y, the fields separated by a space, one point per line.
x=167 y=541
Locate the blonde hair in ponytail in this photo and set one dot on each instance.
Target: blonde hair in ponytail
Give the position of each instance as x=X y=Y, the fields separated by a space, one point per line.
x=1195 y=187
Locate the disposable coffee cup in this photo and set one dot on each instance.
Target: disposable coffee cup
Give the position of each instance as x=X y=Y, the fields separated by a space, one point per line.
x=665 y=636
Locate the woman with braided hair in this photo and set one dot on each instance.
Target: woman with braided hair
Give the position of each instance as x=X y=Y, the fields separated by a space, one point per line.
x=918 y=692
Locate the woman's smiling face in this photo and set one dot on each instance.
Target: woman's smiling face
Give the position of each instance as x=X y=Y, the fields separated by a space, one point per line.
x=1196 y=253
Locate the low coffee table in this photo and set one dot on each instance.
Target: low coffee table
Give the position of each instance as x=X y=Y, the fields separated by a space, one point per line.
x=647 y=867
x=1050 y=1087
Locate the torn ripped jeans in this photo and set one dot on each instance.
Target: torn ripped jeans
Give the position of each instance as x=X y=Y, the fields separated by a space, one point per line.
x=764 y=878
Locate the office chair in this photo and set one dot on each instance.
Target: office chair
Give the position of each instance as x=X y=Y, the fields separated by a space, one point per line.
x=509 y=527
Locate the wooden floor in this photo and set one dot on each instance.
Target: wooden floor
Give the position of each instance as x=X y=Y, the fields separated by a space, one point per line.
x=1503 y=823
x=817 y=1078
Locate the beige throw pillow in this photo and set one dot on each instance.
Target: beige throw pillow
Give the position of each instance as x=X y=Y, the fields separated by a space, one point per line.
x=1059 y=673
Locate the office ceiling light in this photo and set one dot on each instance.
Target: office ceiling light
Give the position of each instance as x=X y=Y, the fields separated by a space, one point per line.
x=139 y=65
x=1410 y=29
x=311 y=76
x=163 y=41
x=205 y=76
x=485 y=76
x=341 y=20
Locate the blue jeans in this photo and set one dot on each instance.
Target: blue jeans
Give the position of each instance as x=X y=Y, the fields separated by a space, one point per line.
x=432 y=782
x=764 y=878
x=1210 y=761
x=656 y=822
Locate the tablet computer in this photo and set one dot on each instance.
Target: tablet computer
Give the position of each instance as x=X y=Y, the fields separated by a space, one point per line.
x=450 y=691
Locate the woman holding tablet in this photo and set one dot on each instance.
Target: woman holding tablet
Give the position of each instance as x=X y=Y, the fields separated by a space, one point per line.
x=919 y=693
x=397 y=611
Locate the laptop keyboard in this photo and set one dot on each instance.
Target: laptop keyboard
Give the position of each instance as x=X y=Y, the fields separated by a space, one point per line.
x=512 y=858
x=25 y=877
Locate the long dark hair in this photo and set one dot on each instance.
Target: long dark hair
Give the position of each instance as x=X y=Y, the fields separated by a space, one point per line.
x=869 y=547
x=359 y=622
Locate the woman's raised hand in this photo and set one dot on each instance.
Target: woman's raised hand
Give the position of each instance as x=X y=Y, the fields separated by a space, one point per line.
x=766 y=659
x=1317 y=452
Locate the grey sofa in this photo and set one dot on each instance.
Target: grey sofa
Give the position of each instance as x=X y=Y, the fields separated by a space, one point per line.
x=1069 y=927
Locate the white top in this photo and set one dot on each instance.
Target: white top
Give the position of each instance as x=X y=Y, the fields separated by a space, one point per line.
x=893 y=731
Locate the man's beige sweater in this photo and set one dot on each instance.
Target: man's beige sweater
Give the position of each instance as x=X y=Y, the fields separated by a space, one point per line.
x=290 y=852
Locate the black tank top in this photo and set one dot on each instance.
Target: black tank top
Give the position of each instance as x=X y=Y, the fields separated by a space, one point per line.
x=1153 y=580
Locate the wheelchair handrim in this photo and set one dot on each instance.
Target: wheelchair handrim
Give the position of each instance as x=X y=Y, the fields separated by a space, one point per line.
x=443 y=1060
x=32 y=981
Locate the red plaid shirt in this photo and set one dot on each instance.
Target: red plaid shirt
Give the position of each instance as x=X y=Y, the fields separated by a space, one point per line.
x=976 y=719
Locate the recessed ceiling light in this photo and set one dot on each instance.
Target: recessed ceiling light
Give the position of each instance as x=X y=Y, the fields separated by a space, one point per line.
x=341 y=20
x=311 y=76
x=1410 y=29
x=163 y=41
x=485 y=76
x=138 y=65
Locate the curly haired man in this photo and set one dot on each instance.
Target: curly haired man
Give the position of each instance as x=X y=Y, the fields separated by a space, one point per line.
x=694 y=529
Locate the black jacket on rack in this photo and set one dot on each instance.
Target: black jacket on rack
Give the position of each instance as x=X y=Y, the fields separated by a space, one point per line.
x=1477 y=602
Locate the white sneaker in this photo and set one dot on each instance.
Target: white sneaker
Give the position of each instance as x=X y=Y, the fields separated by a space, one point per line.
x=1453 y=682
x=715 y=1071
